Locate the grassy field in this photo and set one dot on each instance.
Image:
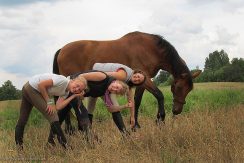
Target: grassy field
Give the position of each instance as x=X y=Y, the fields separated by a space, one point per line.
x=211 y=128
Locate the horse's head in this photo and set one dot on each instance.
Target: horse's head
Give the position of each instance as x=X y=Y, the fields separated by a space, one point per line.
x=180 y=87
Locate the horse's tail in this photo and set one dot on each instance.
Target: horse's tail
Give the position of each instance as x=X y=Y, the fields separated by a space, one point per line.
x=55 y=63
x=55 y=69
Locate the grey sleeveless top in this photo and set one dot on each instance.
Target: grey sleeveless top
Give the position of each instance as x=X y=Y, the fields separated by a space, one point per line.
x=113 y=67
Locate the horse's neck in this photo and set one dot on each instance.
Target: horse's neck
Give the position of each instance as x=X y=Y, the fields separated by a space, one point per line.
x=175 y=67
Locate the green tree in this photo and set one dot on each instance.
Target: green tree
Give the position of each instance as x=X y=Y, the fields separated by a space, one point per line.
x=161 y=77
x=235 y=71
x=216 y=60
x=9 y=92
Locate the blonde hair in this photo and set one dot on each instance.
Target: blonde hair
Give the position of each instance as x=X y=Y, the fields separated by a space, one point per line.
x=80 y=78
x=125 y=87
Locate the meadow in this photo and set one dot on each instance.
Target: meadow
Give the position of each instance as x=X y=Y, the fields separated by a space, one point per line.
x=210 y=129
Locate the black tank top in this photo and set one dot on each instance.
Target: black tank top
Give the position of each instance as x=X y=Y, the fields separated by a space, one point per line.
x=96 y=88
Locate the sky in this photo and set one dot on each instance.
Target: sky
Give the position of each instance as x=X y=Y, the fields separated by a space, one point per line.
x=31 y=31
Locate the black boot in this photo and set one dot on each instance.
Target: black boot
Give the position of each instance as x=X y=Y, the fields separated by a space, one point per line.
x=51 y=138
x=90 y=116
x=19 y=133
x=83 y=118
x=84 y=125
x=56 y=128
x=118 y=120
x=69 y=129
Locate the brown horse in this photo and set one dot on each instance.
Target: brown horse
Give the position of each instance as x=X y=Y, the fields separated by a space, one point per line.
x=144 y=51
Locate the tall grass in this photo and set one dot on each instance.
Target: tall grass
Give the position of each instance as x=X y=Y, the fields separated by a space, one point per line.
x=210 y=129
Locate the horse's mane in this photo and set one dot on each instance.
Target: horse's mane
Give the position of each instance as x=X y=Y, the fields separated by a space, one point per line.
x=178 y=65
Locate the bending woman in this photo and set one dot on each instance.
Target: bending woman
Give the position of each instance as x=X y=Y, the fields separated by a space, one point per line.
x=37 y=93
x=125 y=74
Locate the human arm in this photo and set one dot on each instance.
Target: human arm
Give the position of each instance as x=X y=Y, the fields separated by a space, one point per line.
x=119 y=75
x=132 y=108
x=112 y=103
x=94 y=76
x=42 y=87
x=62 y=102
x=114 y=108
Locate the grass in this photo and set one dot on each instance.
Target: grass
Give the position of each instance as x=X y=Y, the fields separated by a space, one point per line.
x=211 y=128
x=9 y=115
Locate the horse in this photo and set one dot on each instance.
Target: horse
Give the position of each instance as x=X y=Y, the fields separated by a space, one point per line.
x=137 y=50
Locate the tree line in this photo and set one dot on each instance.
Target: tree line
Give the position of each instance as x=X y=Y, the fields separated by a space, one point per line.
x=217 y=68
x=9 y=92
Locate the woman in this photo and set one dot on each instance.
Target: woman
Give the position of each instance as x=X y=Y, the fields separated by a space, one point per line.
x=37 y=93
x=99 y=84
x=123 y=73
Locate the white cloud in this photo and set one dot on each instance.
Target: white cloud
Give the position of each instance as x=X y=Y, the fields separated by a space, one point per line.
x=17 y=80
x=31 y=32
x=223 y=37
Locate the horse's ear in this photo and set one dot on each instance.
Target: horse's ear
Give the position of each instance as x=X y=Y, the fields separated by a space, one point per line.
x=196 y=74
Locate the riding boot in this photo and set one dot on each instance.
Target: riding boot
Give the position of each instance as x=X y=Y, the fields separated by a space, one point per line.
x=69 y=129
x=51 y=138
x=118 y=120
x=90 y=116
x=19 y=133
x=56 y=128
x=83 y=118
x=84 y=125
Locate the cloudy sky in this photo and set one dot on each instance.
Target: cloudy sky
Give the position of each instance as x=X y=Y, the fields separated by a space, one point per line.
x=31 y=31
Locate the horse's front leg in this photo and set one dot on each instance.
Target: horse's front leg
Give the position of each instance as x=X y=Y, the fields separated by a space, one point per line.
x=156 y=93
x=152 y=88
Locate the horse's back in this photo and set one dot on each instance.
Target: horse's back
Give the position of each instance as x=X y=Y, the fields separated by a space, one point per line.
x=133 y=50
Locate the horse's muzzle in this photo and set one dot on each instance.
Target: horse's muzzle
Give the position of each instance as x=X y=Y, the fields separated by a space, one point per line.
x=177 y=107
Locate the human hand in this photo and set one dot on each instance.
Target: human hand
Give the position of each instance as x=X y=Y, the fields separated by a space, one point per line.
x=132 y=122
x=129 y=99
x=51 y=109
x=79 y=95
x=130 y=104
